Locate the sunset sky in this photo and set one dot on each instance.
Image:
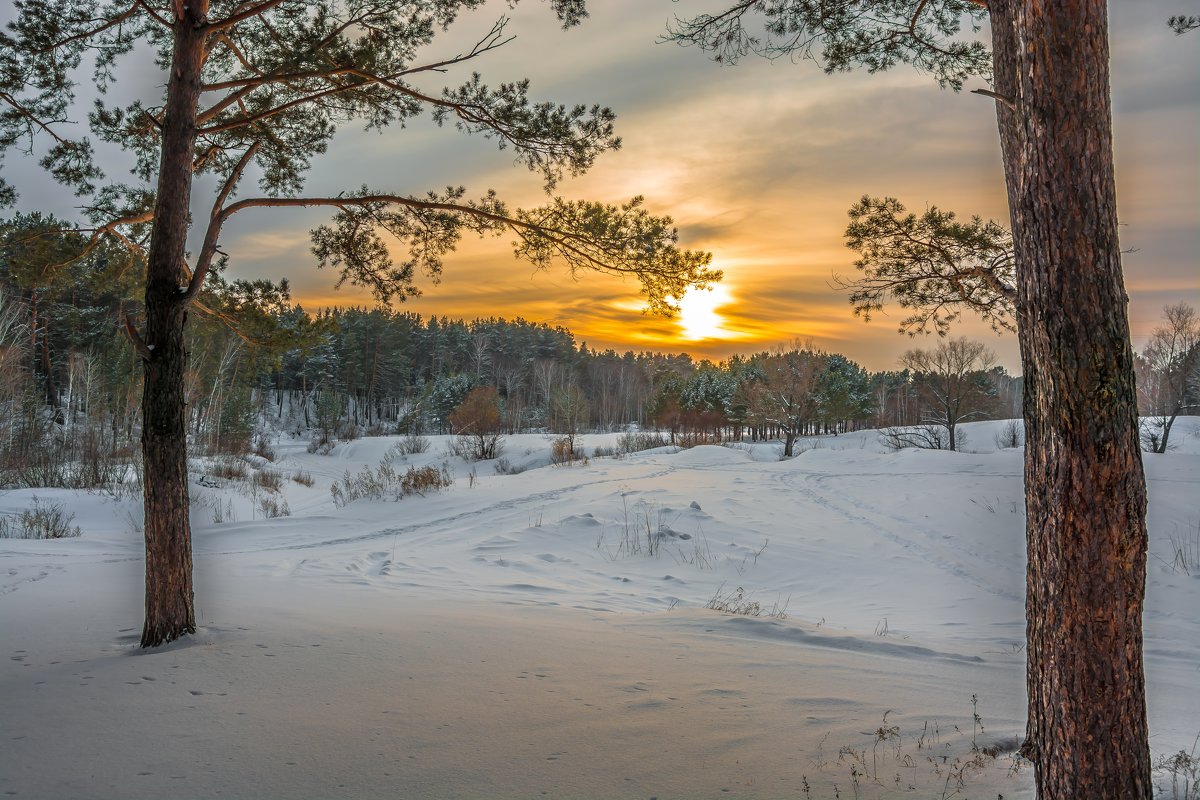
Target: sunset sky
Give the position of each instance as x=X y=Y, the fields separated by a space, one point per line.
x=757 y=163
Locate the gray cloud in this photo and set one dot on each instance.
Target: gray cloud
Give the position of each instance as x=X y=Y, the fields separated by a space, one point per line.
x=757 y=163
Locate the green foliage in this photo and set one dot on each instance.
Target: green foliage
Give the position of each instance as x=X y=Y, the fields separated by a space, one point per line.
x=843 y=390
x=447 y=394
x=330 y=406
x=85 y=282
x=781 y=389
x=237 y=416
x=256 y=359
x=874 y=34
x=932 y=264
x=665 y=407
x=259 y=312
x=623 y=239
x=280 y=79
x=1181 y=24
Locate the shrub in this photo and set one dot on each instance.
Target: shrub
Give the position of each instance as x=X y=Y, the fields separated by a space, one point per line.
x=735 y=602
x=40 y=522
x=229 y=468
x=367 y=483
x=642 y=534
x=412 y=444
x=563 y=451
x=1185 y=553
x=269 y=479
x=384 y=480
x=272 y=507
x=1183 y=768
x=460 y=447
x=322 y=444
x=419 y=480
x=505 y=467
x=1012 y=435
x=347 y=431
x=38 y=454
x=222 y=511
x=478 y=423
x=635 y=442
x=304 y=478
x=263 y=448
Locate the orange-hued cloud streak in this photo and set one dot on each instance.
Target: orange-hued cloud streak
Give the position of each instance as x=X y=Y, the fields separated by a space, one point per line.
x=758 y=164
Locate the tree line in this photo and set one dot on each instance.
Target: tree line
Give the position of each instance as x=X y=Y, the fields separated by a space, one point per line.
x=255 y=358
x=264 y=86
x=72 y=381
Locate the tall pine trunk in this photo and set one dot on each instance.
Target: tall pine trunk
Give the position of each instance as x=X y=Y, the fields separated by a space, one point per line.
x=169 y=604
x=1086 y=494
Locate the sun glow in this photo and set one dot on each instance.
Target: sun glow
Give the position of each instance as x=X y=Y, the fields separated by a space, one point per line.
x=699 y=316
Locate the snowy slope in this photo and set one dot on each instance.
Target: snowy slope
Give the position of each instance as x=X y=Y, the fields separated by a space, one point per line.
x=514 y=635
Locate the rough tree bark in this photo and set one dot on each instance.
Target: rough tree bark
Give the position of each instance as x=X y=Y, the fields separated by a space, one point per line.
x=169 y=602
x=1086 y=505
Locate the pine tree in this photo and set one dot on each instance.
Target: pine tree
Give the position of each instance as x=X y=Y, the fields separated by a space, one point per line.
x=260 y=88
x=1085 y=490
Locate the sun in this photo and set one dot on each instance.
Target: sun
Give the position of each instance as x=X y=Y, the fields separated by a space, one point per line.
x=698 y=314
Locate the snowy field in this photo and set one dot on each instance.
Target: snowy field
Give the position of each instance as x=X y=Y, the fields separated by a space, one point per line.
x=545 y=633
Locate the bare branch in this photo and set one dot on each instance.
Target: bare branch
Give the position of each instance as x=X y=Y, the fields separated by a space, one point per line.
x=161 y=20
x=234 y=19
x=136 y=339
x=215 y=221
x=996 y=96
x=490 y=41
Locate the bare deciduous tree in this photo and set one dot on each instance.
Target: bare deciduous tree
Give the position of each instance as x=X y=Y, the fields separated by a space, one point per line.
x=1169 y=374
x=953 y=384
x=479 y=424
x=784 y=392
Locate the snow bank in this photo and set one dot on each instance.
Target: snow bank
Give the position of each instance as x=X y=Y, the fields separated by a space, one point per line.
x=546 y=631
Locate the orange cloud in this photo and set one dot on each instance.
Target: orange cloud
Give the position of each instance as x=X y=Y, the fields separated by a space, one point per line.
x=758 y=164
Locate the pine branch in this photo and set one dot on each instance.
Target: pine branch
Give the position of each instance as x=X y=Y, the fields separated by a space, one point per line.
x=216 y=220
x=108 y=24
x=233 y=19
x=616 y=240
x=34 y=120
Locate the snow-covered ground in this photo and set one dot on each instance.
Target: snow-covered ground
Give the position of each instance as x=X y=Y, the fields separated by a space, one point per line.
x=513 y=635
